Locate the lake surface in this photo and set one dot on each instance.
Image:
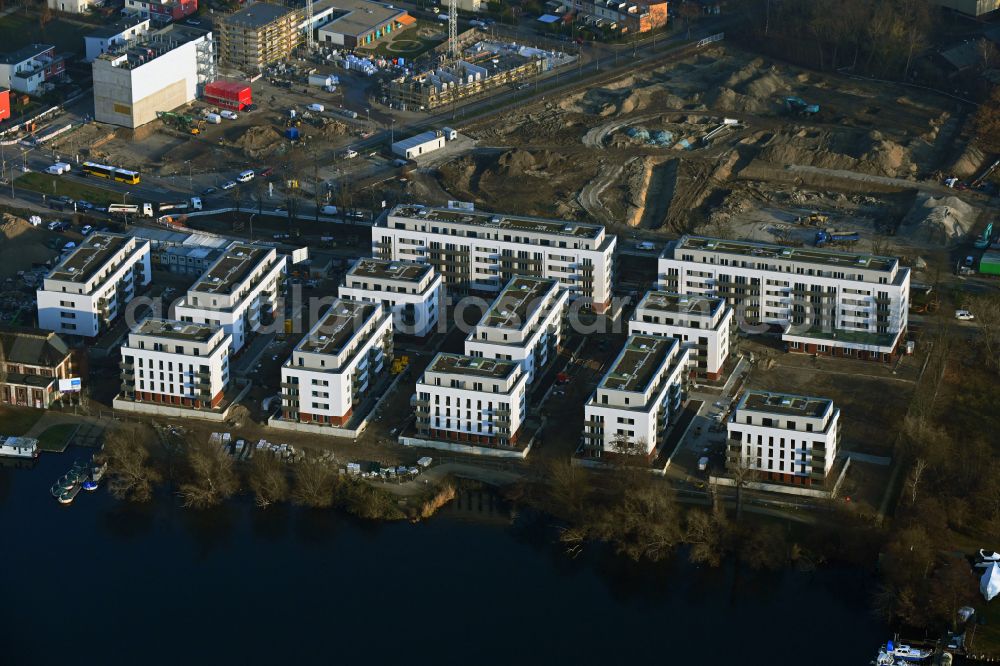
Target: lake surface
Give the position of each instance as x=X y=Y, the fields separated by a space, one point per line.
x=100 y=582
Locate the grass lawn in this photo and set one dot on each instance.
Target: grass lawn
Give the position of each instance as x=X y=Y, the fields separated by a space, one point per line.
x=18 y=420
x=408 y=44
x=56 y=438
x=20 y=29
x=51 y=185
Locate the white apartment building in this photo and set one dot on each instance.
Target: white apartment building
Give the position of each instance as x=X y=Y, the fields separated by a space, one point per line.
x=150 y=73
x=176 y=363
x=480 y=251
x=639 y=397
x=523 y=324
x=411 y=291
x=822 y=301
x=107 y=37
x=786 y=438
x=336 y=364
x=236 y=292
x=703 y=324
x=469 y=399
x=92 y=284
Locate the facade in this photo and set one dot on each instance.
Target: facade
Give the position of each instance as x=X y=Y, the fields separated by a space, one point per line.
x=474 y=400
x=183 y=259
x=162 y=11
x=258 y=35
x=108 y=37
x=786 y=438
x=336 y=365
x=176 y=363
x=637 y=400
x=28 y=69
x=232 y=95
x=822 y=301
x=92 y=285
x=4 y=104
x=626 y=17
x=418 y=145
x=523 y=324
x=35 y=362
x=70 y=6
x=238 y=292
x=704 y=325
x=158 y=72
x=476 y=251
x=410 y=291
x=970 y=7
x=356 y=23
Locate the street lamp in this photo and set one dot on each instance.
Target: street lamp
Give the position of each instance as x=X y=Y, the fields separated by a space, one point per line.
x=392 y=133
x=190 y=177
x=251 y=226
x=123 y=197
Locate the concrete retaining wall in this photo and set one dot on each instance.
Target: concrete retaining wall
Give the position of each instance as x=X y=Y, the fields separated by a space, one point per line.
x=458 y=447
x=772 y=487
x=157 y=409
x=326 y=431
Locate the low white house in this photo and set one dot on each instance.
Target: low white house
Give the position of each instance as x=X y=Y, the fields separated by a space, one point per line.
x=237 y=291
x=703 y=324
x=639 y=397
x=107 y=37
x=418 y=145
x=92 y=285
x=411 y=291
x=523 y=324
x=478 y=401
x=335 y=366
x=788 y=438
x=175 y=363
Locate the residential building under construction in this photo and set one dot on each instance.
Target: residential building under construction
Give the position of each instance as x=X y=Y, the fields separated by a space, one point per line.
x=259 y=35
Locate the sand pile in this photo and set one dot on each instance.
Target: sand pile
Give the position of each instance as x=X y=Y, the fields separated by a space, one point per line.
x=332 y=129
x=21 y=245
x=259 y=141
x=948 y=216
x=523 y=163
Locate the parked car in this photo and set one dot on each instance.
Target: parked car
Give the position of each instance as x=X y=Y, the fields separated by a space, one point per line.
x=86 y=230
x=84 y=205
x=229 y=115
x=964 y=315
x=208 y=191
x=229 y=184
x=280 y=236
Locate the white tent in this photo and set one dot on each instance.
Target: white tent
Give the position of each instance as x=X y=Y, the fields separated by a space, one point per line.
x=989 y=584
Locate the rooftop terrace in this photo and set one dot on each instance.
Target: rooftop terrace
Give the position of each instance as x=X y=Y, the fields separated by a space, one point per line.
x=517 y=302
x=783 y=404
x=828 y=258
x=666 y=301
x=637 y=363
x=457 y=364
x=231 y=269
x=88 y=259
x=404 y=271
x=337 y=327
x=176 y=330
x=499 y=221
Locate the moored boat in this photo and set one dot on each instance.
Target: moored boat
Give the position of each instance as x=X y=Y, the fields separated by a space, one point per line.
x=18 y=447
x=69 y=494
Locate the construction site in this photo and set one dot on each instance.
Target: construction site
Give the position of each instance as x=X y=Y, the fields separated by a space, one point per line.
x=723 y=143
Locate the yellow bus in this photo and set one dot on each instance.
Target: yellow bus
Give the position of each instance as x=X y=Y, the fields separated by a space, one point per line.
x=113 y=173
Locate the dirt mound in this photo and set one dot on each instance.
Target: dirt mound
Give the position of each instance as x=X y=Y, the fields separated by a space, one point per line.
x=969 y=162
x=949 y=217
x=259 y=141
x=524 y=163
x=765 y=86
x=21 y=245
x=332 y=129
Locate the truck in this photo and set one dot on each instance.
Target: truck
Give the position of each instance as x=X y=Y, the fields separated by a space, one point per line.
x=829 y=236
x=58 y=169
x=449 y=134
x=142 y=210
x=196 y=203
x=179 y=207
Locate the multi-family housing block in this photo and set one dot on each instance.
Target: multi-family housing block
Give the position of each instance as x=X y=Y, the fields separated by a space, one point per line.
x=469 y=399
x=176 y=363
x=821 y=301
x=92 y=284
x=335 y=366
x=480 y=251
x=703 y=324
x=783 y=437
x=638 y=398
x=523 y=324
x=239 y=292
x=411 y=291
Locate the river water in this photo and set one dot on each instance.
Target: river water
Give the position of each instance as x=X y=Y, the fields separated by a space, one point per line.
x=101 y=582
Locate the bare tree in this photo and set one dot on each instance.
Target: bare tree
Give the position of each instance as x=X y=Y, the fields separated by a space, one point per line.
x=211 y=478
x=268 y=479
x=744 y=469
x=239 y=415
x=3 y=364
x=642 y=523
x=131 y=476
x=569 y=489
x=314 y=485
x=916 y=474
x=624 y=445
x=986 y=309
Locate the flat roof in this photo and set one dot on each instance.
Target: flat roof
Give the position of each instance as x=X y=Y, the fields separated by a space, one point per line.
x=89 y=257
x=403 y=271
x=460 y=364
x=847 y=336
x=257 y=15
x=337 y=327
x=517 y=302
x=809 y=255
x=637 y=363
x=474 y=218
x=690 y=304
x=176 y=330
x=229 y=270
x=116 y=28
x=24 y=53
x=784 y=404
x=417 y=140
x=358 y=17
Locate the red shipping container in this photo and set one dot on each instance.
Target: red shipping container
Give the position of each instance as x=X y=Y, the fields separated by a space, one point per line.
x=4 y=104
x=228 y=95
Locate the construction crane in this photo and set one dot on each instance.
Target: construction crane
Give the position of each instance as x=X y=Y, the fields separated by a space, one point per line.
x=309 y=26
x=453 y=29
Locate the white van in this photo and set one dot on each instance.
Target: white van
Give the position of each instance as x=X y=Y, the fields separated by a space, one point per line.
x=245 y=176
x=328 y=210
x=58 y=169
x=229 y=115
x=318 y=108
